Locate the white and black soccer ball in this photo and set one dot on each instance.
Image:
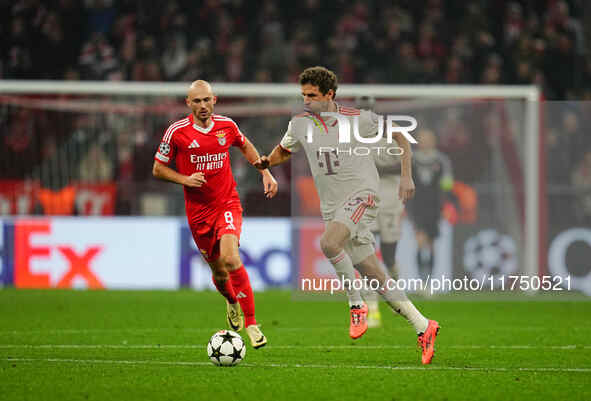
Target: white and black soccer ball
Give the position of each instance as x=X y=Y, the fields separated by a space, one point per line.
x=226 y=348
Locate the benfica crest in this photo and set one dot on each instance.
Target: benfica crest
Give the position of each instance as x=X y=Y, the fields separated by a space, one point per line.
x=221 y=139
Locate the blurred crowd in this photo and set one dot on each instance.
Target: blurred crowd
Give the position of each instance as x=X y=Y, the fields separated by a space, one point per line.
x=422 y=41
x=377 y=41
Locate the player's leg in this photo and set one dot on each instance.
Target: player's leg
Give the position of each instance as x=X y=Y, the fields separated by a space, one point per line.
x=223 y=283
x=229 y=227
x=388 y=250
x=390 y=222
x=371 y=298
x=205 y=240
x=358 y=214
x=387 y=225
x=363 y=255
x=230 y=259
x=332 y=244
x=397 y=300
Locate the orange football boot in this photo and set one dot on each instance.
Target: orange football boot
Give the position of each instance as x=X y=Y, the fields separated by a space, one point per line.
x=358 y=325
x=426 y=341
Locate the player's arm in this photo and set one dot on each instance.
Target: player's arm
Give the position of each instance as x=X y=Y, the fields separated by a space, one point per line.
x=252 y=155
x=407 y=186
x=278 y=155
x=163 y=172
x=282 y=152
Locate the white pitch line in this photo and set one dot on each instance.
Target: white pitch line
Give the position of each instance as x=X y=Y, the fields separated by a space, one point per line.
x=311 y=366
x=148 y=330
x=214 y=329
x=351 y=347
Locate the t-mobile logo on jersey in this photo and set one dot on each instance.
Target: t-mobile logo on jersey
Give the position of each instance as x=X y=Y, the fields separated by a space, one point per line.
x=345 y=128
x=209 y=161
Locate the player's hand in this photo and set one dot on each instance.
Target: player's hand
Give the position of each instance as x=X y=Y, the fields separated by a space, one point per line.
x=406 y=190
x=262 y=163
x=195 y=180
x=270 y=184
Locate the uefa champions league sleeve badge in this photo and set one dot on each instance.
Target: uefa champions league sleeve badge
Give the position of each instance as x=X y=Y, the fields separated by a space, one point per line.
x=164 y=148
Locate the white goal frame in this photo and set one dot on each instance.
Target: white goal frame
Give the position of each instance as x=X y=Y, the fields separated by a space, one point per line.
x=528 y=93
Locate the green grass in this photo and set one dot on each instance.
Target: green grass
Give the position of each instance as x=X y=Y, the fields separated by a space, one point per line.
x=150 y=345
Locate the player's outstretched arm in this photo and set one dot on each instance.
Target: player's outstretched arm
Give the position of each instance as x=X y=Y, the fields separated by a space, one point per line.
x=252 y=155
x=406 y=190
x=277 y=156
x=163 y=172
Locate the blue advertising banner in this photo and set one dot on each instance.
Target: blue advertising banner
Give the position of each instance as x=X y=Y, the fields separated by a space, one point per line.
x=264 y=250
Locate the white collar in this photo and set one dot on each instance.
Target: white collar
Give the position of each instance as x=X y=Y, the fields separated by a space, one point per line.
x=204 y=130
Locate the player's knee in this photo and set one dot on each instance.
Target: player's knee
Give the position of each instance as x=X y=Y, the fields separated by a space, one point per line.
x=230 y=261
x=220 y=274
x=330 y=247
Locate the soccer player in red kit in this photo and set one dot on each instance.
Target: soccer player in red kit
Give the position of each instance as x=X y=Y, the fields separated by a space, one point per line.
x=199 y=143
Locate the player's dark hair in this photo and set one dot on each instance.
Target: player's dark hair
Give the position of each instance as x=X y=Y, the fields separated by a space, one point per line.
x=321 y=77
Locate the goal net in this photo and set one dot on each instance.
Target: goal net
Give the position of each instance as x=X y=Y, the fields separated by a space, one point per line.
x=86 y=148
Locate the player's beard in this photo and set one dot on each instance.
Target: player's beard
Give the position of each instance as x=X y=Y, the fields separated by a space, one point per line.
x=317 y=107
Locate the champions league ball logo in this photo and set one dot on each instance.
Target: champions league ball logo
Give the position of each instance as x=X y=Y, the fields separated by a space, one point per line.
x=164 y=148
x=489 y=253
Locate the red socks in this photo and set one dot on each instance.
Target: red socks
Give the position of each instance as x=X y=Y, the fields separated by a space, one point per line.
x=225 y=288
x=241 y=284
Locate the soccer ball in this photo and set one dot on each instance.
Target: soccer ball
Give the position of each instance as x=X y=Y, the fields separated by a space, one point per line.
x=226 y=348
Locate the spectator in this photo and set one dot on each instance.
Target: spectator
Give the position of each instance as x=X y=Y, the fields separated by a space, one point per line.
x=427 y=41
x=174 y=58
x=19 y=63
x=98 y=58
x=95 y=166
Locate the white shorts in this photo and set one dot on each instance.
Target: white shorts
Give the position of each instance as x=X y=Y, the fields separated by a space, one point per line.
x=358 y=213
x=388 y=222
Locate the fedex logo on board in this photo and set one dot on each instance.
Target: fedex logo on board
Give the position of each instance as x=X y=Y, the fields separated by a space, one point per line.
x=34 y=258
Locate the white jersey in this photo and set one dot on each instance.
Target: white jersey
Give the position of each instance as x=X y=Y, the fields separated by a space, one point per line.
x=340 y=170
x=389 y=167
x=387 y=164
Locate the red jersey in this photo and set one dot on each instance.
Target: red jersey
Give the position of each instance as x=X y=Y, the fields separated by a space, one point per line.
x=205 y=150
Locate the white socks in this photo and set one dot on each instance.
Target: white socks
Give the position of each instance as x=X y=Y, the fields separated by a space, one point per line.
x=344 y=268
x=401 y=304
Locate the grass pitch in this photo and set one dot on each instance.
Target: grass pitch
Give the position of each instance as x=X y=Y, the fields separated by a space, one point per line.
x=150 y=345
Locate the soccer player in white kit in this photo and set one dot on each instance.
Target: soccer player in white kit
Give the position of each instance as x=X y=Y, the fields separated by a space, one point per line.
x=347 y=184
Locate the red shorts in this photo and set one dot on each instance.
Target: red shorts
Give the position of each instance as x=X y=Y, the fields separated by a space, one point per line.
x=207 y=233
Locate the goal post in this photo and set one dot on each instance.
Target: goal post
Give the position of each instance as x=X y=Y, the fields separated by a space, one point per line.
x=529 y=96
